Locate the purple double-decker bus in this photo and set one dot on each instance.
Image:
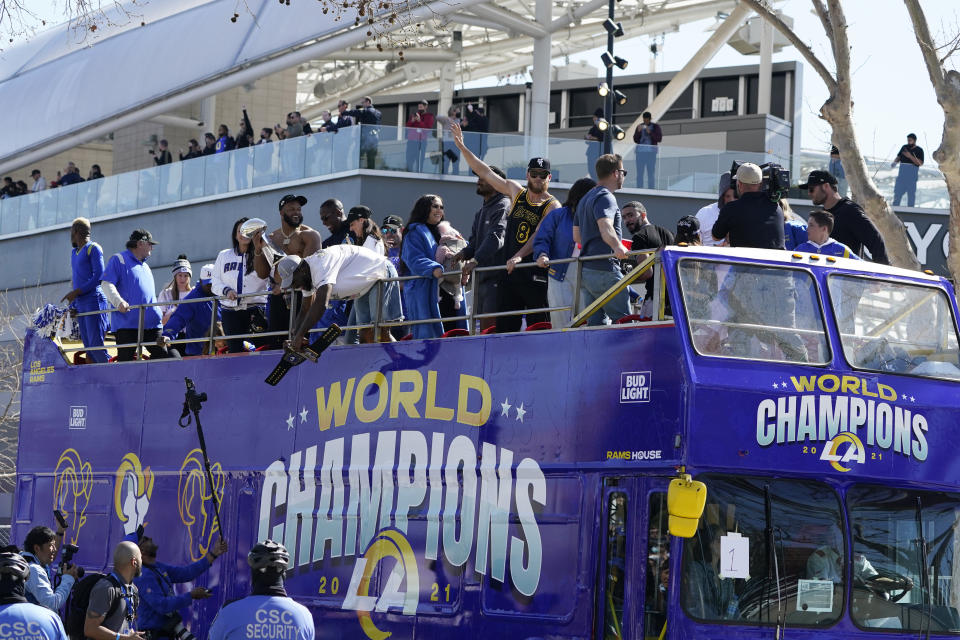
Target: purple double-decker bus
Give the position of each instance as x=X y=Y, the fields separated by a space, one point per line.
x=515 y=485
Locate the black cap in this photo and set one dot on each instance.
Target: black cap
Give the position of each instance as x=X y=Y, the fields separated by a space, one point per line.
x=359 y=212
x=688 y=224
x=818 y=177
x=291 y=198
x=539 y=163
x=141 y=234
x=392 y=221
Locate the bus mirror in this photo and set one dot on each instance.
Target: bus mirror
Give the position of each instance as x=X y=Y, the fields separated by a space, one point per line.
x=686 y=499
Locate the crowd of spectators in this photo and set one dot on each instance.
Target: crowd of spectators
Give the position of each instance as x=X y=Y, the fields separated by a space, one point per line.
x=521 y=240
x=70 y=175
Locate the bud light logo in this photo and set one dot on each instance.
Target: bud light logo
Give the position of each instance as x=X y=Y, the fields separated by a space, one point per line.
x=634 y=387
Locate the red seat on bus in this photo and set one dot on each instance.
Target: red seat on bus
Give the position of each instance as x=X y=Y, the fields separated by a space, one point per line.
x=489 y=330
x=631 y=318
x=539 y=326
x=455 y=333
x=409 y=336
x=79 y=357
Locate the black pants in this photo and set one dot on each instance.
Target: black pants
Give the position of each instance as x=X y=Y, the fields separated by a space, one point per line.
x=126 y=336
x=278 y=316
x=519 y=290
x=238 y=322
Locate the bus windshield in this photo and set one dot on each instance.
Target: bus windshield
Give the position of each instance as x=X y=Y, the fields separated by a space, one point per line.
x=742 y=566
x=753 y=311
x=892 y=587
x=895 y=327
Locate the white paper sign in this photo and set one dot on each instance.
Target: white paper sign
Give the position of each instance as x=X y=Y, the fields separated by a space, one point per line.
x=815 y=596
x=734 y=556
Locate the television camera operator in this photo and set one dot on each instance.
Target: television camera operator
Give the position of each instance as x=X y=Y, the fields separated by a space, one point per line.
x=159 y=614
x=754 y=219
x=40 y=550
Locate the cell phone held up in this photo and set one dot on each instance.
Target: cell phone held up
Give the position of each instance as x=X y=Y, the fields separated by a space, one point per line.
x=61 y=518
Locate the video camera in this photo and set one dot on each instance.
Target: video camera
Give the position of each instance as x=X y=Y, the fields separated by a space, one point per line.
x=69 y=550
x=776 y=179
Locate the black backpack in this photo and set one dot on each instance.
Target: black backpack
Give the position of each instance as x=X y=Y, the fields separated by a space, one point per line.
x=76 y=609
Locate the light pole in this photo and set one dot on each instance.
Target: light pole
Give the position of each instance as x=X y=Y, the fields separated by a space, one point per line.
x=606 y=89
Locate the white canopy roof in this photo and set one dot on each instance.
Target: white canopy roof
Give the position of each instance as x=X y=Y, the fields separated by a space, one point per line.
x=61 y=88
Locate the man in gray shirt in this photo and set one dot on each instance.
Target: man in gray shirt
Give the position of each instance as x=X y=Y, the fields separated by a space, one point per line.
x=112 y=611
x=485 y=248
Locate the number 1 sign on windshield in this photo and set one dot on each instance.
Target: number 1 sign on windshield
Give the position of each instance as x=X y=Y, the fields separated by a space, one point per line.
x=734 y=556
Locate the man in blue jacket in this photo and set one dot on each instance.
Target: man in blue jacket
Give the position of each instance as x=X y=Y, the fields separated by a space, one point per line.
x=159 y=604
x=268 y=612
x=192 y=317
x=86 y=260
x=19 y=618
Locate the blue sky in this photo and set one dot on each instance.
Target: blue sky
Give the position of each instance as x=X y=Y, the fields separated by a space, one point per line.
x=891 y=89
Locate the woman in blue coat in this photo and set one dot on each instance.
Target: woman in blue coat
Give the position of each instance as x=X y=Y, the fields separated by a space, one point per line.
x=420 y=238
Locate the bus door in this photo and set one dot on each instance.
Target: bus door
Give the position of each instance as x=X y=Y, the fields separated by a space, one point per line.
x=634 y=555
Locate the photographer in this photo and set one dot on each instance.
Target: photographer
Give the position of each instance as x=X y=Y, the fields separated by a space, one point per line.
x=159 y=605
x=754 y=220
x=40 y=551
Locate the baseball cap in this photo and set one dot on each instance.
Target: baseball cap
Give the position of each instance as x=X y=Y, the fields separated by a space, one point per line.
x=285 y=269
x=689 y=225
x=206 y=273
x=538 y=163
x=392 y=221
x=141 y=234
x=358 y=212
x=818 y=177
x=291 y=198
x=749 y=173
x=182 y=266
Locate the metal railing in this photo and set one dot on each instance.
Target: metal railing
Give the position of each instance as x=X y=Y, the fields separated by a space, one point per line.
x=649 y=261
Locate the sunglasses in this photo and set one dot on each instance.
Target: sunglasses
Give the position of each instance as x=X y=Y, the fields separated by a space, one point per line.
x=622 y=172
x=534 y=173
x=391 y=232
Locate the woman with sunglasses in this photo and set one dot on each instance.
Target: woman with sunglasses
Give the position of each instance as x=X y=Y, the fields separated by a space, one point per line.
x=419 y=246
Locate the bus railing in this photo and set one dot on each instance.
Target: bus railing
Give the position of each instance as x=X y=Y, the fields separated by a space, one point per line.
x=648 y=261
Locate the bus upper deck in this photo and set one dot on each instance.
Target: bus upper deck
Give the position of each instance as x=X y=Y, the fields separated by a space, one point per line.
x=517 y=484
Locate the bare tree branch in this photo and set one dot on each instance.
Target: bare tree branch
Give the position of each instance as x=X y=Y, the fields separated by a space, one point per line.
x=946 y=85
x=763 y=9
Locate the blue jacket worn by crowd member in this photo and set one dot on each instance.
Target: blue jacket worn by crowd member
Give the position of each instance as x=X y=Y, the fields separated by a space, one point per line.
x=29 y=621
x=794 y=233
x=555 y=238
x=157 y=595
x=87 y=266
x=134 y=282
x=829 y=248
x=422 y=296
x=194 y=318
x=40 y=591
x=263 y=616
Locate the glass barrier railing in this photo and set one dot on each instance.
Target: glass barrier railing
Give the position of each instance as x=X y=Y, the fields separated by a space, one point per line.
x=665 y=168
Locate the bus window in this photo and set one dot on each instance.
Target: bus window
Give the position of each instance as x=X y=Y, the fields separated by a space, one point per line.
x=658 y=566
x=803 y=586
x=894 y=585
x=895 y=327
x=616 y=565
x=753 y=311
